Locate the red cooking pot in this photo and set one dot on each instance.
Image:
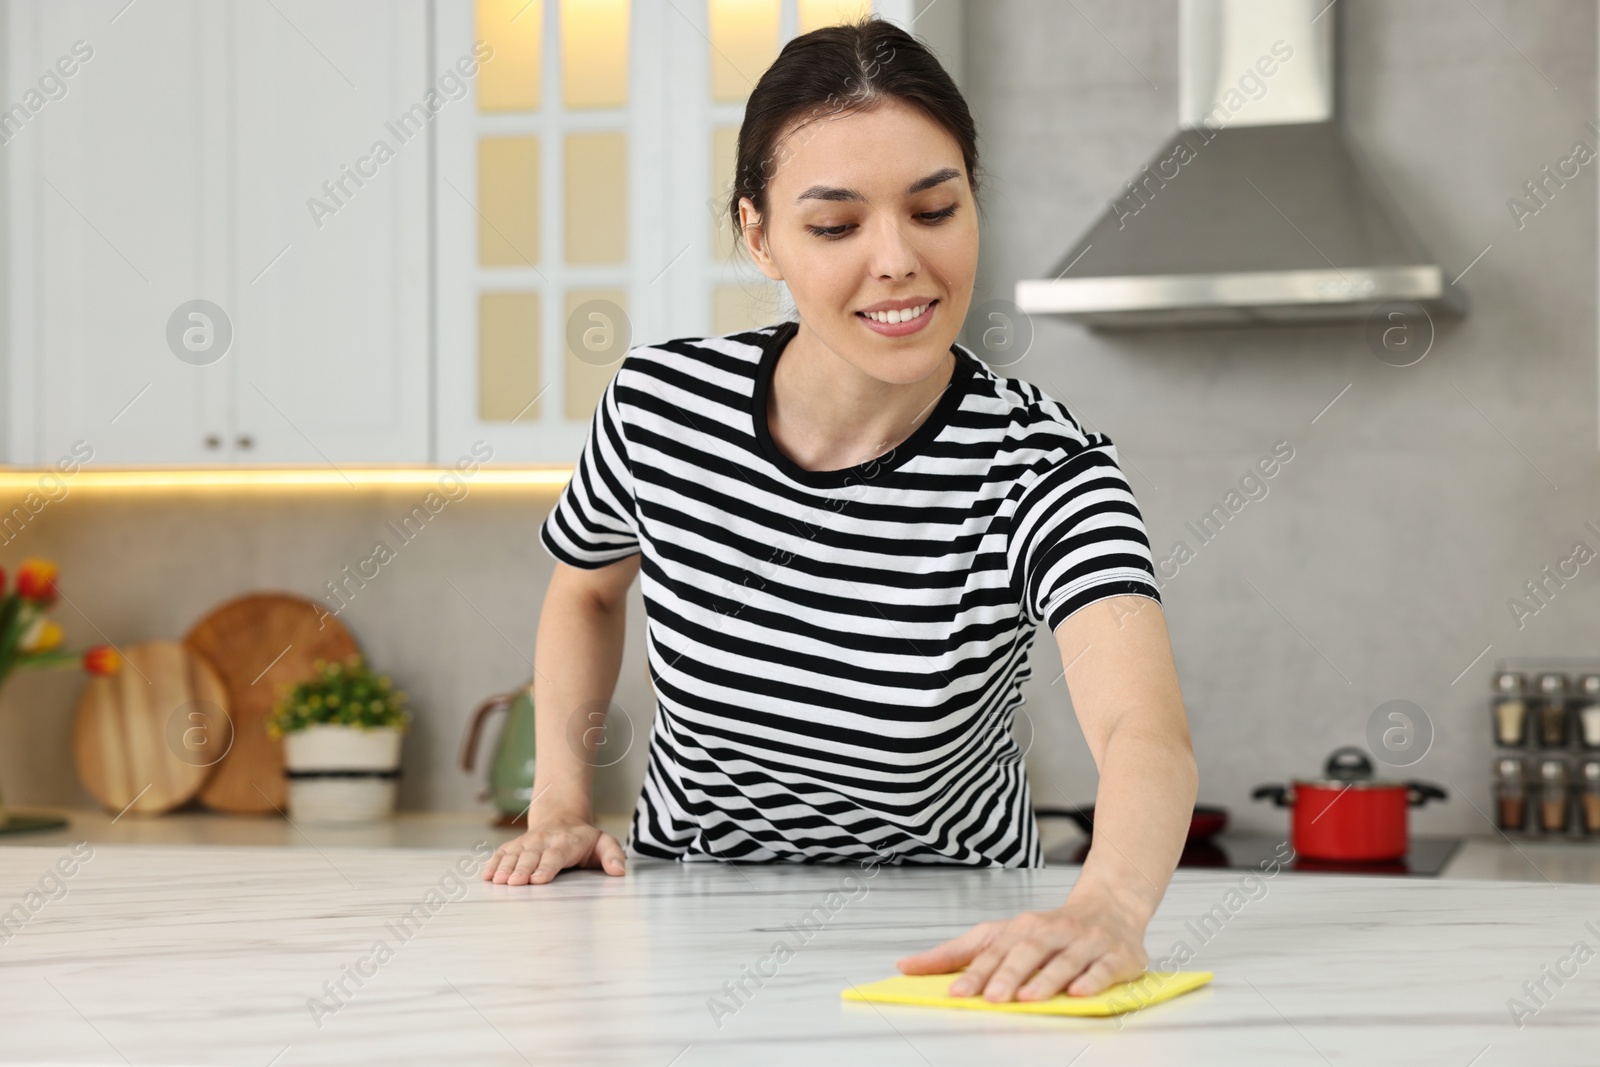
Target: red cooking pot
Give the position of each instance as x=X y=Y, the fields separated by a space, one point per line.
x=1349 y=815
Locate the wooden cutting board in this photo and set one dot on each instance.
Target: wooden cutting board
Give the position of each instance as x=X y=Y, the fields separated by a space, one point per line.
x=259 y=643
x=146 y=738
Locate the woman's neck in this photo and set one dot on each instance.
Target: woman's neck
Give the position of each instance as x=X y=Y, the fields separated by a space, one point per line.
x=826 y=414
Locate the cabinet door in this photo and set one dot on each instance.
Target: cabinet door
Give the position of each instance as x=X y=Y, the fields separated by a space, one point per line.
x=118 y=185
x=550 y=206
x=330 y=149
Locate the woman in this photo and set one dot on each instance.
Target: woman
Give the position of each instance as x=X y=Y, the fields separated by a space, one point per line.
x=848 y=529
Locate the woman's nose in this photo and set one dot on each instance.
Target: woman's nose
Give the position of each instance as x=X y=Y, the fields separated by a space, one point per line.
x=893 y=254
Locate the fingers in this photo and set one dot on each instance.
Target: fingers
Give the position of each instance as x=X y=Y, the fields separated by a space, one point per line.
x=531 y=859
x=984 y=963
x=608 y=850
x=545 y=866
x=1082 y=970
x=516 y=861
x=1083 y=947
x=1101 y=973
x=1119 y=964
x=1013 y=954
x=1034 y=956
x=539 y=855
x=1070 y=963
x=1024 y=957
x=501 y=863
x=950 y=956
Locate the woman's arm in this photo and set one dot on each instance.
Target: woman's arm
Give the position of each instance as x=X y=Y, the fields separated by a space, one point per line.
x=1124 y=687
x=576 y=658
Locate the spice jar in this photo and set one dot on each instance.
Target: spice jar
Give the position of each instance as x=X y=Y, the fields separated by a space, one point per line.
x=1510 y=708
x=1553 y=804
x=1552 y=710
x=1511 y=793
x=1590 y=805
x=1587 y=711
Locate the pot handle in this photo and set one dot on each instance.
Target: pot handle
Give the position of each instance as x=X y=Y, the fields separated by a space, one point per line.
x=1278 y=794
x=1348 y=762
x=469 y=751
x=1420 y=793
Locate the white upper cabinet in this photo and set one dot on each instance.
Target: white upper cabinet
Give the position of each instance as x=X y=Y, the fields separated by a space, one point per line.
x=116 y=220
x=330 y=147
x=321 y=233
x=186 y=161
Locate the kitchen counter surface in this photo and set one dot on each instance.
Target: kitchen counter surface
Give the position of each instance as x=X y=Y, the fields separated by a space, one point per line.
x=221 y=955
x=1495 y=858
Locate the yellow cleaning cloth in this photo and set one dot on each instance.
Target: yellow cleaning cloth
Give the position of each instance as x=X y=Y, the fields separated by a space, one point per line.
x=929 y=989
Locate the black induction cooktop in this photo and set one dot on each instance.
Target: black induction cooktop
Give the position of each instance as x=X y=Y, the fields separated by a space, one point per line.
x=1426 y=858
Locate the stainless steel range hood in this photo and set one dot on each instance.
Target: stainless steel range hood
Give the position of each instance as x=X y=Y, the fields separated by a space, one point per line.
x=1255 y=211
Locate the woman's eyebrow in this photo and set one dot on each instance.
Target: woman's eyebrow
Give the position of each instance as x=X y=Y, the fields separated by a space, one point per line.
x=828 y=192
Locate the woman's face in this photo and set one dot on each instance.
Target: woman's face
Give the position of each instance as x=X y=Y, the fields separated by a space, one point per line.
x=866 y=209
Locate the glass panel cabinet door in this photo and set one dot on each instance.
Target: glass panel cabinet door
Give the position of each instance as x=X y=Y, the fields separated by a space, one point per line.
x=581 y=202
x=548 y=205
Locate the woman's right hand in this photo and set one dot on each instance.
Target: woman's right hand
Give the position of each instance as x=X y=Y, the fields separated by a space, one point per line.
x=551 y=846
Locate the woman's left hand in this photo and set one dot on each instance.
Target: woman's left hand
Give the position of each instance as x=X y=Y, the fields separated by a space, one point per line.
x=1084 y=946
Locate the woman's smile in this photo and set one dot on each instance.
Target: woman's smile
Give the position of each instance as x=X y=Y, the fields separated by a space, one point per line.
x=899 y=322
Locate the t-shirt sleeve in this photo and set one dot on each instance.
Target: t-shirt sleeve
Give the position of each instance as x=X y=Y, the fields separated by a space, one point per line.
x=1079 y=536
x=595 y=519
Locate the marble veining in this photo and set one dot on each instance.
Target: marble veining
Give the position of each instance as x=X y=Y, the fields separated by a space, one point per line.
x=301 y=956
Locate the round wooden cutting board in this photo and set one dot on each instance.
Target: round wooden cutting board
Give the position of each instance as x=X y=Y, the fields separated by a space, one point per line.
x=258 y=643
x=146 y=738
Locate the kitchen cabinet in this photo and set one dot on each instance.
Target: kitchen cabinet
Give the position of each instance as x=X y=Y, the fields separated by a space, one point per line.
x=215 y=152
x=414 y=224
x=331 y=160
x=114 y=221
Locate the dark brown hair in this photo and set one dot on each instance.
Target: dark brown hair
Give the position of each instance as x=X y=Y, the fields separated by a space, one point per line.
x=837 y=70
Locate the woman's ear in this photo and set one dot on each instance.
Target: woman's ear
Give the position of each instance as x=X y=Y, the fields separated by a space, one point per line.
x=754 y=236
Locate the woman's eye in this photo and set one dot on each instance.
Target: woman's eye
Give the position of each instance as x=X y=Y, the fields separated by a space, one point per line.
x=833 y=233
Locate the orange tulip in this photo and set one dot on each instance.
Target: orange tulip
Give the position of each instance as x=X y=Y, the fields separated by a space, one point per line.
x=36 y=580
x=102 y=659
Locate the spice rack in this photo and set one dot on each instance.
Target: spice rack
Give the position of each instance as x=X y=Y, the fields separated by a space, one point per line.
x=1544 y=714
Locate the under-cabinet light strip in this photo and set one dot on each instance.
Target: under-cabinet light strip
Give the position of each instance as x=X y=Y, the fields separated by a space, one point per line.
x=48 y=480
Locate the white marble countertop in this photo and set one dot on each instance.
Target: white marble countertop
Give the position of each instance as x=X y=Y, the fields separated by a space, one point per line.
x=162 y=955
x=1489 y=856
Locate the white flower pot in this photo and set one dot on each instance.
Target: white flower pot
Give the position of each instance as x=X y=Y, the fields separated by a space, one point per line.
x=341 y=774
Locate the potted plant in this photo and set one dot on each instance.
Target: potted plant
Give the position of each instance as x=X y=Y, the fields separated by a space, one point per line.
x=341 y=733
x=30 y=638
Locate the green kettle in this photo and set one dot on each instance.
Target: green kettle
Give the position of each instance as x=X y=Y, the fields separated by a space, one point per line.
x=511 y=772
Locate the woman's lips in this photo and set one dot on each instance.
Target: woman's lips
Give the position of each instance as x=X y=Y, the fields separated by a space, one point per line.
x=900 y=329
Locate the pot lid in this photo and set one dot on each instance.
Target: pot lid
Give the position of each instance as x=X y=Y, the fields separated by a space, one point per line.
x=1349 y=767
x=1346 y=783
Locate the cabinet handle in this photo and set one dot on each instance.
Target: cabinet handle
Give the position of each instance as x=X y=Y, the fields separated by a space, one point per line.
x=245 y=441
x=213 y=441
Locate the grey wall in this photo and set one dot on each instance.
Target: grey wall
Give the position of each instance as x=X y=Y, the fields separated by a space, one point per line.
x=1381 y=560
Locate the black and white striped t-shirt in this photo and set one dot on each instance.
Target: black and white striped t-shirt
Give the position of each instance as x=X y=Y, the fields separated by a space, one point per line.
x=838 y=655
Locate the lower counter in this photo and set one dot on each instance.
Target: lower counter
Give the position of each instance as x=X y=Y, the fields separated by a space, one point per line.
x=1494 y=858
